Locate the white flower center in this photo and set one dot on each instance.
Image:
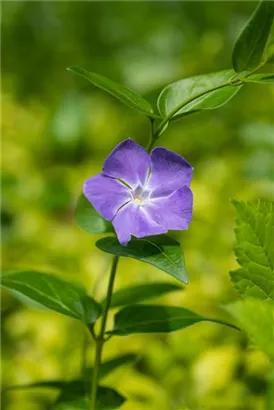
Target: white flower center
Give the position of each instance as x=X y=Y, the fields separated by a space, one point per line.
x=140 y=195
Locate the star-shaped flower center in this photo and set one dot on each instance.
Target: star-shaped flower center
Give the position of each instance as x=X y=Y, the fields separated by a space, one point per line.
x=141 y=195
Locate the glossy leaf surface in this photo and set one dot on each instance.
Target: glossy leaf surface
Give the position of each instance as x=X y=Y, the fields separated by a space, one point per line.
x=107 y=399
x=124 y=94
x=53 y=293
x=161 y=251
x=250 y=46
x=155 y=319
x=88 y=219
x=174 y=100
x=263 y=78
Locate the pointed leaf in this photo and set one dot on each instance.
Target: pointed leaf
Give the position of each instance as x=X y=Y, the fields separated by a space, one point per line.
x=107 y=399
x=250 y=46
x=125 y=95
x=53 y=293
x=174 y=100
x=256 y=317
x=268 y=57
x=155 y=319
x=88 y=219
x=72 y=404
x=263 y=78
x=161 y=251
x=254 y=250
x=138 y=293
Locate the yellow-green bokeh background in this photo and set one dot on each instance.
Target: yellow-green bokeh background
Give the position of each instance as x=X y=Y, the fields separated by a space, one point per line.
x=57 y=129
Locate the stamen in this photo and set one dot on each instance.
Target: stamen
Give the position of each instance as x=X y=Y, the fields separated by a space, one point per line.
x=137 y=200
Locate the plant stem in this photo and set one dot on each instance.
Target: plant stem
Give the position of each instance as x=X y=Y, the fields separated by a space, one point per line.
x=100 y=339
x=151 y=137
x=95 y=376
x=84 y=360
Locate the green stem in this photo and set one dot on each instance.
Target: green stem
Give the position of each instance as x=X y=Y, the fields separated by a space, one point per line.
x=84 y=360
x=151 y=138
x=100 y=339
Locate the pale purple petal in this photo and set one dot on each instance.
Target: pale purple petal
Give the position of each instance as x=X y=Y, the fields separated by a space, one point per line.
x=173 y=212
x=169 y=172
x=133 y=219
x=107 y=195
x=129 y=162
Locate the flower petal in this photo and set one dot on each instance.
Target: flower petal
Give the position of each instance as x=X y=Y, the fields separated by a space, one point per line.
x=129 y=162
x=169 y=171
x=107 y=195
x=133 y=219
x=173 y=212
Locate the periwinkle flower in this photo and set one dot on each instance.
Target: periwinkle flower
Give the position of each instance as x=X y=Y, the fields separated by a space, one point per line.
x=142 y=194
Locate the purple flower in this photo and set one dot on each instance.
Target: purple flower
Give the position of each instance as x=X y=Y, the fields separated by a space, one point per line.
x=142 y=194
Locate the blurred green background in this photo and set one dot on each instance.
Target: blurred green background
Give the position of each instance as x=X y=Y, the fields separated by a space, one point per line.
x=57 y=129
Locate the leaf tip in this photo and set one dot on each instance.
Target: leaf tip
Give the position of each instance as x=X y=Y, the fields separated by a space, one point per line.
x=72 y=69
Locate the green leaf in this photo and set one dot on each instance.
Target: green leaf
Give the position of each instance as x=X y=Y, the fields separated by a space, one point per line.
x=138 y=293
x=155 y=319
x=160 y=251
x=263 y=78
x=256 y=317
x=74 y=403
x=53 y=293
x=175 y=99
x=254 y=250
x=125 y=95
x=250 y=46
x=78 y=385
x=88 y=219
x=107 y=399
x=268 y=57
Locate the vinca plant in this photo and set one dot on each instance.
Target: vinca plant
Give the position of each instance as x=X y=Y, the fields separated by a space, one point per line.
x=139 y=196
